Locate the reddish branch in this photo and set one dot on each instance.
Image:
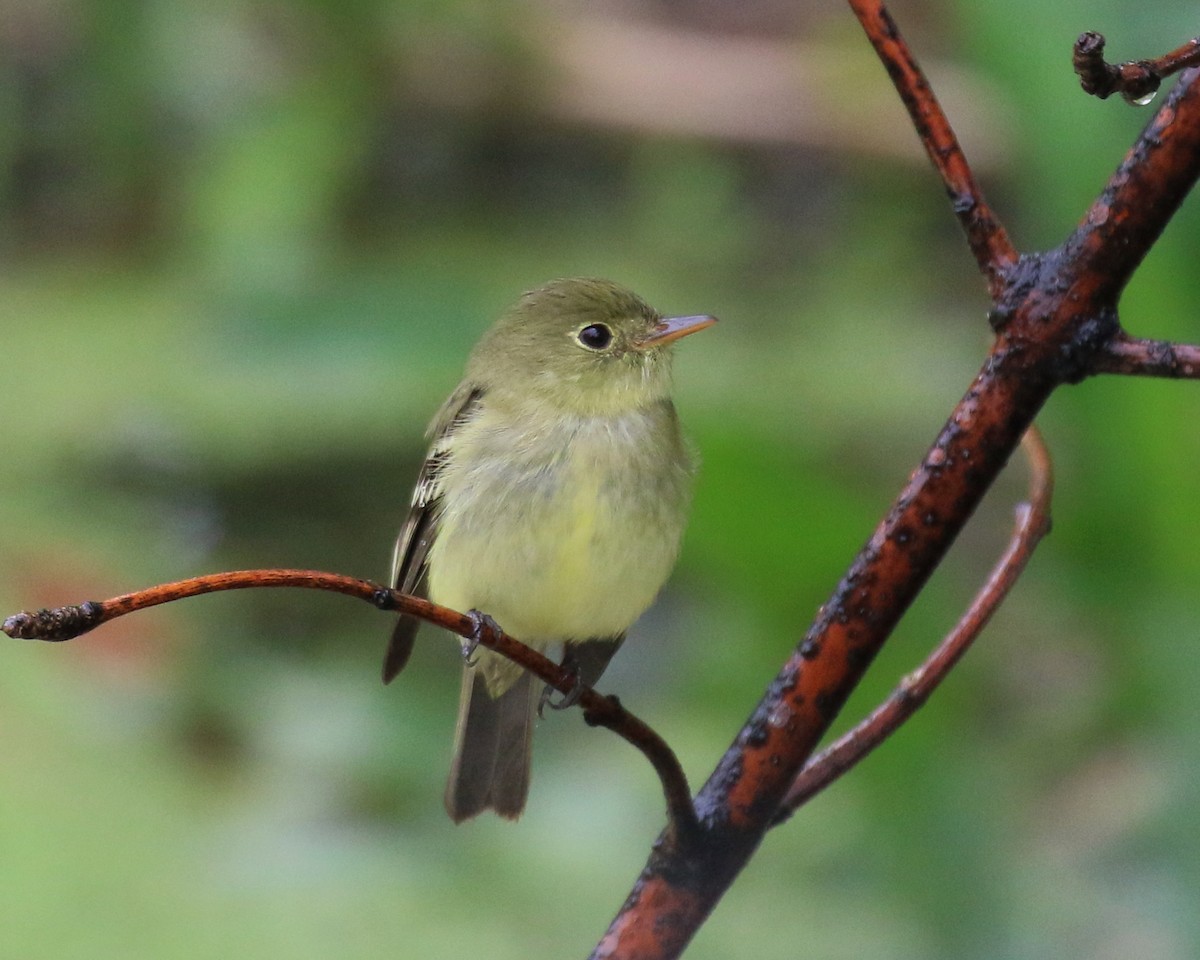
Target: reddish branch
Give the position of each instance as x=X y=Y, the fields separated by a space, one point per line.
x=1033 y=523
x=1055 y=315
x=66 y=623
x=986 y=237
x=1136 y=80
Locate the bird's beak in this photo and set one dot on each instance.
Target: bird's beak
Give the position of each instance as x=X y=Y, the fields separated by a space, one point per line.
x=672 y=328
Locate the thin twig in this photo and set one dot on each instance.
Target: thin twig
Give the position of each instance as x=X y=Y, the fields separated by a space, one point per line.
x=66 y=623
x=986 y=236
x=1033 y=523
x=1149 y=358
x=1136 y=80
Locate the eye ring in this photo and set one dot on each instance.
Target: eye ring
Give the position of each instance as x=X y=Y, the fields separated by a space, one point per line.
x=595 y=336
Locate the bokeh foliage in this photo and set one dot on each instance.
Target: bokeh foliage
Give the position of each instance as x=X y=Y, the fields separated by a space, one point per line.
x=244 y=249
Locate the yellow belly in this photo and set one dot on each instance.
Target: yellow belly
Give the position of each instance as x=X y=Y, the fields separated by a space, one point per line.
x=568 y=545
x=572 y=567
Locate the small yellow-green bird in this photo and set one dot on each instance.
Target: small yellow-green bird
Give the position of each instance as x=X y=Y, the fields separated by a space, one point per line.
x=553 y=499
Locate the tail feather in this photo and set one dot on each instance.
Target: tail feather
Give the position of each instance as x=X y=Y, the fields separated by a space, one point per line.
x=491 y=749
x=400 y=647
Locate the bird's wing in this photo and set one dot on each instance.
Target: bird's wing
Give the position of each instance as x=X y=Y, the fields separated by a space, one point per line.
x=411 y=553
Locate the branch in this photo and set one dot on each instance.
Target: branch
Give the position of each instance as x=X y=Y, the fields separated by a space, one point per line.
x=66 y=623
x=1136 y=80
x=1124 y=222
x=986 y=236
x=1055 y=313
x=1149 y=358
x=1033 y=523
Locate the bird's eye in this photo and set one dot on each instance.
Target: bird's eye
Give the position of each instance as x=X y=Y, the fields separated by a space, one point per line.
x=595 y=336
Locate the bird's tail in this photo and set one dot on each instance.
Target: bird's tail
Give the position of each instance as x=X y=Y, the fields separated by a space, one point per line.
x=491 y=748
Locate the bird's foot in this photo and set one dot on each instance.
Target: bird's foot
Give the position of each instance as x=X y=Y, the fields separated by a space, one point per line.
x=566 y=701
x=481 y=625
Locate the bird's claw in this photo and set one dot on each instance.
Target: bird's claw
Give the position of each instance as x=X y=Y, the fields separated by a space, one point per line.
x=566 y=701
x=481 y=625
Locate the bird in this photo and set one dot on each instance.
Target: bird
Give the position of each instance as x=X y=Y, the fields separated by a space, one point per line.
x=553 y=499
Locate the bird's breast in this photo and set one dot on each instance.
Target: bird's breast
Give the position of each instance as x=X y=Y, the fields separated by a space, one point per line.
x=561 y=527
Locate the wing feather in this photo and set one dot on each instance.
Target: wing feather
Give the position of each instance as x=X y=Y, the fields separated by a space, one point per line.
x=411 y=554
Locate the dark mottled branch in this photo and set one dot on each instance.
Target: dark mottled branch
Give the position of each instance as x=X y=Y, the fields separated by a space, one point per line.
x=65 y=623
x=1149 y=358
x=1136 y=80
x=1055 y=316
x=1032 y=524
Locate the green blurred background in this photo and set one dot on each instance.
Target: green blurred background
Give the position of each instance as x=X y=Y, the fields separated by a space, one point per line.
x=244 y=249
